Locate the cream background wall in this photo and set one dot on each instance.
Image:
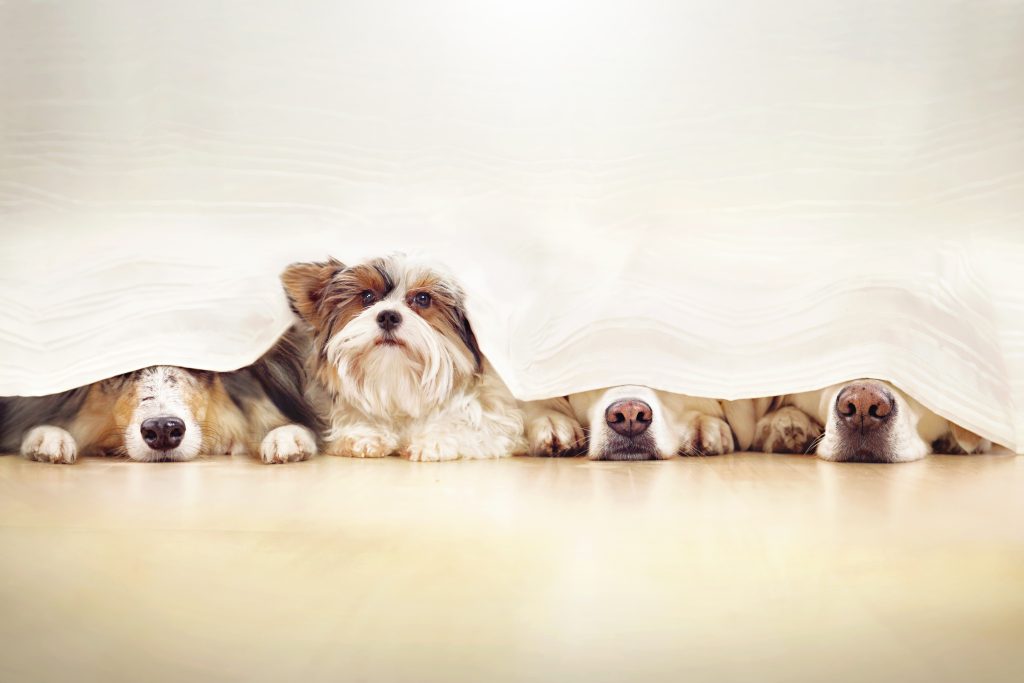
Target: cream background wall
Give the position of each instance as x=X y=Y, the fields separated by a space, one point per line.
x=721 y=198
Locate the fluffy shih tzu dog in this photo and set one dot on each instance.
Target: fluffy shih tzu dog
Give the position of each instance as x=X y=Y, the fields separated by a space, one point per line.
x=863 y=421
x=397 y=357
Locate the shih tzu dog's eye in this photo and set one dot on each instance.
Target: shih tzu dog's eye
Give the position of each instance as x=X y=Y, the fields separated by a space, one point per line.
x=368 y=297
x=421 y=300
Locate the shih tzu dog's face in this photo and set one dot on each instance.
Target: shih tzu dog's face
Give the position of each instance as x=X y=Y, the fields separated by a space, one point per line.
x=391 y=334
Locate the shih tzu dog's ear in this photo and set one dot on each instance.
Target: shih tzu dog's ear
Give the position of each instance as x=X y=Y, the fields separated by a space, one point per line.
x=465 y=331
x=305 y=284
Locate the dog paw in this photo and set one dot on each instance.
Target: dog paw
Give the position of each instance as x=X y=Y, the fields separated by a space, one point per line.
x=960 y=441
x=706 y=435
x=49 y=444
x=554 y=435
x=289 y=443
x=787 y=430
x=364 y=445
x=431 y=450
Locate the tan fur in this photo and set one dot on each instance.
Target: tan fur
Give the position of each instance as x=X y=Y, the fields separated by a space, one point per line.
x=227 y=429
x=96 y=427
x=306 y=283
x=967 y=440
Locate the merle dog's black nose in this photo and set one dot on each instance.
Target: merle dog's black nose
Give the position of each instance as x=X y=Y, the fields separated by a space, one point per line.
x=162 y=433
x=389 y=320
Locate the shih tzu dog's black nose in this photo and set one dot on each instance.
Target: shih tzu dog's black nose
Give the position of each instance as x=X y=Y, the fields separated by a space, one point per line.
x=389 y=320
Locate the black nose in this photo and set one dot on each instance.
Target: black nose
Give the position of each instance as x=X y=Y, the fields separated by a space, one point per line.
x=864 y=406
x=629 y=417
x=389 y=320
x=162 y=433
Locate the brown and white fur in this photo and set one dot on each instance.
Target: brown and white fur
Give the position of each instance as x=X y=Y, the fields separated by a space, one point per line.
x=168 y=413
x=396 y=355
x=862 y=421
x=638 y=423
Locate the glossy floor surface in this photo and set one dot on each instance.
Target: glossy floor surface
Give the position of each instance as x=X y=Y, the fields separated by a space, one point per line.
x=734 y=568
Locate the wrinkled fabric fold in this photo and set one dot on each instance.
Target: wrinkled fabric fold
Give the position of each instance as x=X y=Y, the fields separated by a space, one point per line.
x=721 y=199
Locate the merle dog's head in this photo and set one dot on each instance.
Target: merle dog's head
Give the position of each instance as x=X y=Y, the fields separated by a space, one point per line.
x=158 y=413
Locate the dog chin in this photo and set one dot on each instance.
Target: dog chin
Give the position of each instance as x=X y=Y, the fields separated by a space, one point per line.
x=643 y=447
x=851 y=451
x=176 y=455
x=389 y=342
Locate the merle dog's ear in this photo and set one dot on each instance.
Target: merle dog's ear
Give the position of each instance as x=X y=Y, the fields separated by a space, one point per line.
x=468 y=338
x=305 y=284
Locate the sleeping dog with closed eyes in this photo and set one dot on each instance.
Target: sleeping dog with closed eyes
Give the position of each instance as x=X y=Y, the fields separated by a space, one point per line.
x=862 y=421
x=169 y=413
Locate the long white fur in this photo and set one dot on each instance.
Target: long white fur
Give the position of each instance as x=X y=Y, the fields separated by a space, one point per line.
x=424 y=400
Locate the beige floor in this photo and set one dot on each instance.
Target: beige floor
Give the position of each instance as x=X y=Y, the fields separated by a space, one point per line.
x=739 y=568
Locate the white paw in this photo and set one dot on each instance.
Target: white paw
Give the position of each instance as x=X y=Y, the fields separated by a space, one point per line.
x=49 y=444
x=289 y=443
x=431 y=450
x=787 y=430
x=364 y=444
x=554 y=434
x=706 y=435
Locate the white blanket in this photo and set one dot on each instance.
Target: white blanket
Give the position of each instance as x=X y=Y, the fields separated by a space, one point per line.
x=723 y=199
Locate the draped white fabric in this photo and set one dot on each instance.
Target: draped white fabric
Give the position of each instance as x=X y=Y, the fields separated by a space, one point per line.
x=727 y=199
